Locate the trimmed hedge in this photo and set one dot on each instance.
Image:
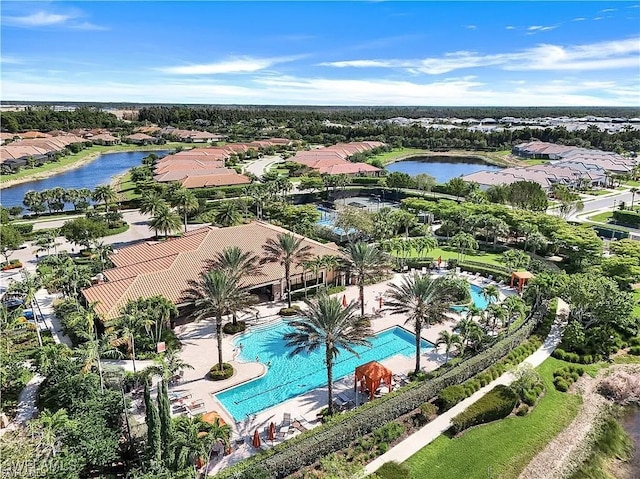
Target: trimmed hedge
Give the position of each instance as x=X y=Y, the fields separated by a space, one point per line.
x=627 y=218
x=393 y=470
x=298 y=295
x=230 y=328
x=365 y=180
x=342 y=429
x=563 y=355
x=23 y=228
x=292 y=311
x=565 y=376
x=485 y=270
x=496 y=404
x=216 y=375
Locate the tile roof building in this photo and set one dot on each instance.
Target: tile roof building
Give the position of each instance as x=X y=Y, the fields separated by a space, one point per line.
x=165 y=268
x=333 y=160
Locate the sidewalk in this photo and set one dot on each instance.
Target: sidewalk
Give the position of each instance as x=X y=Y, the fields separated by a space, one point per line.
x=411 y=445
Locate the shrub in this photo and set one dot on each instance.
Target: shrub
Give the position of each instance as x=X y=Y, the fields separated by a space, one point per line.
x=565 y=376
x=635 y=350
x=428 y=411
x=292 y=311
x=450 y=396
x=388 y=432
x=230 y=328
x=496 y=404
x=529 y=398
x=522 y=410
x=560 y=385
x=23 y=228
x=216 y=375
x=393 y=470
x=13 y=264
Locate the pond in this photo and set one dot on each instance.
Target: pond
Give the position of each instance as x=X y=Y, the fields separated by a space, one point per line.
x=442 y=168
x=97 y=172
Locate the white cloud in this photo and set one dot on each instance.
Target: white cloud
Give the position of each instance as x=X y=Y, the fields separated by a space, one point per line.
x=579 y=19
x=540 y=28
x=235 y=65
x=471 y=27
x=510 y=27
x=595 y=56
x=38 y=19
x=609 y=10
x=278 y=89
x=9 y=60
x=43 y=18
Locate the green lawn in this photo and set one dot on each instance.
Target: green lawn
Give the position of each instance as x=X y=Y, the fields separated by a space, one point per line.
x=598 y=192
x=503 y=448
x=534 y=162
x=631 y=183
x=396 y=154
x=602 y=217
x=126 y=187
x=481 y=256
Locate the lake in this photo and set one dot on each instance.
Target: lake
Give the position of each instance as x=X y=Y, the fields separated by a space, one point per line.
x=442 y=168
x=97 y=172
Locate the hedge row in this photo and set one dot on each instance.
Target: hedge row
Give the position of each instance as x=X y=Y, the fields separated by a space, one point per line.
x=563 y=355
x=220 y=192
x=479 y=264
x=496 y=404
x=627 y=218
x=452 y=395
x=485 y=270
x=23 y=228
x=341 y=430
x=298 y=295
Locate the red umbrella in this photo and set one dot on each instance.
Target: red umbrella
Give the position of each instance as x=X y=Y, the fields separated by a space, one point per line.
x=272 y=432
x=256 y=439
x=344 y=300
x=439 y=260
x=380 y=301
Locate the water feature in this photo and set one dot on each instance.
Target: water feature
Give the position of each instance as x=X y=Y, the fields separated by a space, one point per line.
x=288 y=377
x=97 y=172
x=442 y=168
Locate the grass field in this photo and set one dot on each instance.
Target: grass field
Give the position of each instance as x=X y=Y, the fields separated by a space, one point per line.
x=397 y=153
x=126 y=187
x=598 y=192
x=533 y=162
x=481 y=257
x=503 y=448
x=631 y=183
x=602 y=217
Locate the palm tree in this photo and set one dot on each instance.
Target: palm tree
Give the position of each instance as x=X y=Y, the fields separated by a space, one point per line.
x=514 y=306
x=186 y=202
x=287 y=250
x=424 y=244
x=496 y=314
x=228 y=214
x=166 y=365
x=165 y=221
x=463 y=242
x=49 y=355
x=365 y=261
x=106 y=194
x=151 y=202
x=102 y=251
x=330 y=263
x=325 y=323
x=491 y=293
x=237 y=262
x=47 y=428
x=91 y=353
x=215 y=295
x=633 y=191
x=126 y=327
x=424 y=300
x=449 y=340
x=29 y=286
x=193 y=439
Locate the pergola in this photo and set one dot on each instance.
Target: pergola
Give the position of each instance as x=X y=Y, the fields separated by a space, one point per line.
x=521 y=278
x=370 y=375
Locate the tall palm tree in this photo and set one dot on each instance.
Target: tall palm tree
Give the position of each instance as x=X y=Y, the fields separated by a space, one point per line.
x=29 y=286
x=193 y=439
x=151 y=202
x=49 y=355
x=449 y=340
x=237 y=262
x=515 y=307
x=464 y=242
x=424 y=300
x=106 y=194
x=185 y=202
x=496 y=314
x=491 y=293
x=365 y=261
x=91 y=353
x=102 y=251
x=165 y=221
x=166 y=365
x=215 y=295
x=329 y=262
x=325 y=323
x=424 y=244
x=47 y=428
x=287 y=250
x=633 y=192
x=126 y=327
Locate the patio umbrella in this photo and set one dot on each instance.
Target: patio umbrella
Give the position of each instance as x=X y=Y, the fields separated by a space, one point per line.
x=380 y=301
x=344 y=300
x=439 y=260
x=256 y=439
x=271 y=436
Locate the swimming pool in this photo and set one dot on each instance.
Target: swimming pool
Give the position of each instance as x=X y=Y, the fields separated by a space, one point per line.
x=288 y=377
x=477 y=298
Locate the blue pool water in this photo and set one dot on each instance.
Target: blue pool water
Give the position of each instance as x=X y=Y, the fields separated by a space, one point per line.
x=288 y=377
x=477 y=298
x=328 y=219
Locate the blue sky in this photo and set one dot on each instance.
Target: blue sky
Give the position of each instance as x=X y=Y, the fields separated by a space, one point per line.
x=323 y=53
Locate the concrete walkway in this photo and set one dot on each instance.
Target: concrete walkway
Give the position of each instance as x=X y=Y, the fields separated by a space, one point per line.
x=411 y=445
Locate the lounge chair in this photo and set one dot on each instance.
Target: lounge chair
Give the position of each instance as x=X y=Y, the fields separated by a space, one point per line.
x=286 y=419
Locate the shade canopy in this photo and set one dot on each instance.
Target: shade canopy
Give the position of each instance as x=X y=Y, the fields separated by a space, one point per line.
x=371 y=374
x=256 y=439
x=519 y=279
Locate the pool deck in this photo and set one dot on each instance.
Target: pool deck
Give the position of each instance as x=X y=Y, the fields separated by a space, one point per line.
x=200 y=351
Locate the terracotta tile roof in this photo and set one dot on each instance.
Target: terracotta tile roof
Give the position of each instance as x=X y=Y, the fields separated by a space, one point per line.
x=348 y=169
x=16 y=151
x=33 y=134
x=140 y=137
x=174 y=175
x=105 y=137
x=167 y=166
x=175 y=262
x=201 y=181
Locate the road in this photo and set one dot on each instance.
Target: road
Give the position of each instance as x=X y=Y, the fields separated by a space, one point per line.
x=259 y=167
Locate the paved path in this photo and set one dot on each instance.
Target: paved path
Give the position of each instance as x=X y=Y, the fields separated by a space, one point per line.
x=26 y=403
x=261 y=166
x=414 y=443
